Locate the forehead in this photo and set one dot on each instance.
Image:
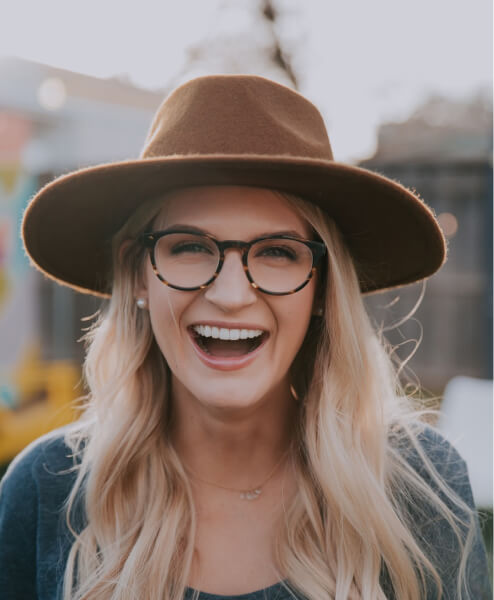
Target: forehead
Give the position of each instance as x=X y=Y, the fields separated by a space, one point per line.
x=230 y=209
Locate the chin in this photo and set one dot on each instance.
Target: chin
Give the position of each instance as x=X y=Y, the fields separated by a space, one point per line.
x=229 y=397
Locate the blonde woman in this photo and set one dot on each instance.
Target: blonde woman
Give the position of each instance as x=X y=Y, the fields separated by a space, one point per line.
x=244 y=433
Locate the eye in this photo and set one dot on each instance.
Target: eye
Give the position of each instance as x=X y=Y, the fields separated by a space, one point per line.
x=190 y=248
x=281 y=252
x=277 y=251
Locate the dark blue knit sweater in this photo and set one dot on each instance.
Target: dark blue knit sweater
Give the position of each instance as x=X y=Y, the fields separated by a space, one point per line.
x=34 y=540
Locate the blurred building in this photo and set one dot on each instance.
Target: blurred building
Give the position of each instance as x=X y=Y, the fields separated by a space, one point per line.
x=444 y=152
x=51 y=121
x=54 y=121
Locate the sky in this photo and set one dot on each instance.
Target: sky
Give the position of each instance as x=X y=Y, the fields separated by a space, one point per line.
x=361 y=62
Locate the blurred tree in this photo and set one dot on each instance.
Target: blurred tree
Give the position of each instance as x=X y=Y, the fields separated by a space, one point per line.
x=246 y=39
x=279 y=56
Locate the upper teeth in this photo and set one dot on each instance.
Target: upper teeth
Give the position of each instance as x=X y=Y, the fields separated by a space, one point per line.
x=223 y=333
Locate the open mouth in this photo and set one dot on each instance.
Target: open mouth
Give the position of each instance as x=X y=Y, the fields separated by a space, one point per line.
x=210 y=343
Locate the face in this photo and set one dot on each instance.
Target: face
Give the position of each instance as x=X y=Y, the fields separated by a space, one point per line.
x=228 y=374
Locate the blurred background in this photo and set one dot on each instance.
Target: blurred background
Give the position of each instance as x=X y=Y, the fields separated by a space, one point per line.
x=405 y=89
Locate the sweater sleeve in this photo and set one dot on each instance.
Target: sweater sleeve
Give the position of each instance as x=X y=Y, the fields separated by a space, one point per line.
x=437 y=533
x=18 y=529
x=34 y=540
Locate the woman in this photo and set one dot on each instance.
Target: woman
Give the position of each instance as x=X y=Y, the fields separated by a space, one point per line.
x=242 y=436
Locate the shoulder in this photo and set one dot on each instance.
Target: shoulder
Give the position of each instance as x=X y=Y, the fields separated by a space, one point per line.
x=35 y=488
x=32 y=531
x=437 y=447
x=430 y=526
x=40 y=462
x=440 y=467
x=445 y=458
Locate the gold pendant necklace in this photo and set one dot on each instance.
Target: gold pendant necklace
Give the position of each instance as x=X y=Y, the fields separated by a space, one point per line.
x=250 y=494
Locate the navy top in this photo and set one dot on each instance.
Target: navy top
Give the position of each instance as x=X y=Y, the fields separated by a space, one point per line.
x=34 y=540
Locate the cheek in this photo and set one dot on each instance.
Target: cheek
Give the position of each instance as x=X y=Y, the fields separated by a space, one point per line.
x=165 y=312
x=294 y=318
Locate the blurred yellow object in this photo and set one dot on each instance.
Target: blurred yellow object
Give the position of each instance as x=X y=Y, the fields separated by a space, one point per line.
x=46 y=392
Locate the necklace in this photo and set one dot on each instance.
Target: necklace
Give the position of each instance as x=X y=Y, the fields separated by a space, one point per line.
x=246 y=494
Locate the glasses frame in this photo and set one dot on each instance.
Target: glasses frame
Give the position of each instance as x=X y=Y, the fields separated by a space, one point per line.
x=149 y=240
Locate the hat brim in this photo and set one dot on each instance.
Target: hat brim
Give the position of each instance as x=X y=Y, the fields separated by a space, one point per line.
x=68 y=226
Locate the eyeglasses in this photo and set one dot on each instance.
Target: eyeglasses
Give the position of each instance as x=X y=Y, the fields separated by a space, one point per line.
x=187 y=261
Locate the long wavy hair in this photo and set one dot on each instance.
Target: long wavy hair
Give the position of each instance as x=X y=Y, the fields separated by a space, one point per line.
x=347 y=523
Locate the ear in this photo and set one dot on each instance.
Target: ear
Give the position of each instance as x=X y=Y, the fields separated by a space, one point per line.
x=319 y=296
x=123 y=247
x=319 y=301
x=141 y=288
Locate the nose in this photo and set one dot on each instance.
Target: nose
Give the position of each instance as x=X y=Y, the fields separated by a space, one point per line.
x=231 y=290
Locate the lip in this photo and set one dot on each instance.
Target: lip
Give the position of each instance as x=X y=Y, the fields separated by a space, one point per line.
x=224 y=363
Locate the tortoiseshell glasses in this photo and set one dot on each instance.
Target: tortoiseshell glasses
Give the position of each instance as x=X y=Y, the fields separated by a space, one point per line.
x=188 y=261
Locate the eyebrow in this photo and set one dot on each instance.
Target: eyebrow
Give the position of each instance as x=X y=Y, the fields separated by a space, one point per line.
x=193 y=229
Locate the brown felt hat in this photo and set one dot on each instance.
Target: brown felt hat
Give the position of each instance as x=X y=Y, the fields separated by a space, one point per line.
x=232 y=130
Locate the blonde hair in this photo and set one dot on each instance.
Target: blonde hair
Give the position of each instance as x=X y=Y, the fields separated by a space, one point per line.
x=348 y=520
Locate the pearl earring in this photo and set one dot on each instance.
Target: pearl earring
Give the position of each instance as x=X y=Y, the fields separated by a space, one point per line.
x=142 y=302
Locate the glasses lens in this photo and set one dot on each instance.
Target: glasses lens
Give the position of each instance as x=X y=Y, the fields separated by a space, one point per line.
x=279 y=265
x=186 y=260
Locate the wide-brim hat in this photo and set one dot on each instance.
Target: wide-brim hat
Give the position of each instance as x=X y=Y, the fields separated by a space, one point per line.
x=232 y=130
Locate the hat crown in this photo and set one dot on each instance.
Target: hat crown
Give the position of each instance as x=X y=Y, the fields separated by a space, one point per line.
x=232 y=130
x=234 y=115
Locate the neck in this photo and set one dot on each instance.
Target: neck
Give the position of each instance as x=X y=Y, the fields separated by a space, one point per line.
x=231 y=447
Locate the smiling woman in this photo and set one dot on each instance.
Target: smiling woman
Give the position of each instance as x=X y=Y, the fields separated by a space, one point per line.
x=245 y=435
x=224 y=286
